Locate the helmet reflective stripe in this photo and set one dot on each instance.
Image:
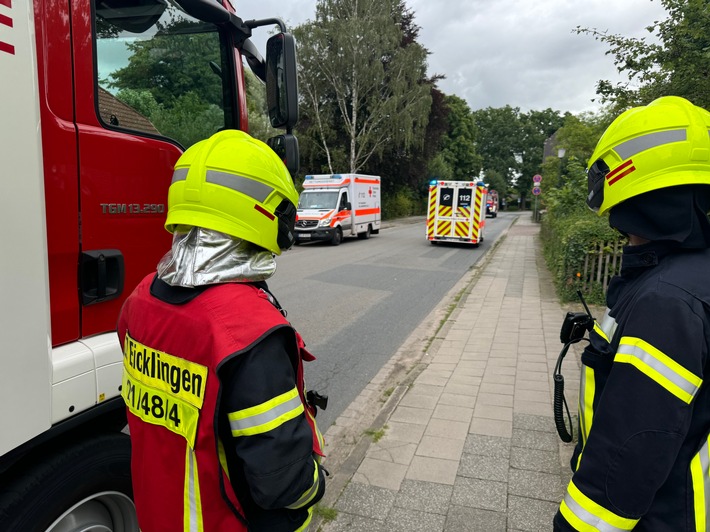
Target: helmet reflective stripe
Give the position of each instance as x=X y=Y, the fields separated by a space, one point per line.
x=179 y=175
x=644 y=142
x=253 y=189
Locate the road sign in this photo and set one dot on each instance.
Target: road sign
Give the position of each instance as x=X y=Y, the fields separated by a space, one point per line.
x=537 y=179
x=536 y=191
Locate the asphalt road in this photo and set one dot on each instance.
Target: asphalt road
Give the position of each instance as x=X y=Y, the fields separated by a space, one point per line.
x=355 y=304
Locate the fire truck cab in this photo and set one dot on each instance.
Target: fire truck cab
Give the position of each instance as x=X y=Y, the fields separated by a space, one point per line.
x=98 y=100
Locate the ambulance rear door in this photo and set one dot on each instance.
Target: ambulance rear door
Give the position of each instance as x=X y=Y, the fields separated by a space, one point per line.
x=462 y=219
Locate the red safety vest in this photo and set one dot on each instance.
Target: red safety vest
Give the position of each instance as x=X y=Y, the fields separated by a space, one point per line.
x=170 y=387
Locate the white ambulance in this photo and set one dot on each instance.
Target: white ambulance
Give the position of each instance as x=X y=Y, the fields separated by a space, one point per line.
x=333 y=206
x=456 y=212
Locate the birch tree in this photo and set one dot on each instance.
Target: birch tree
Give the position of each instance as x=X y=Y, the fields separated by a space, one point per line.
x=359 y=77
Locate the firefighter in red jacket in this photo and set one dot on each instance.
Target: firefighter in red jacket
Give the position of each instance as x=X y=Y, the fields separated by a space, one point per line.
x=642 y=461
x=223 y=436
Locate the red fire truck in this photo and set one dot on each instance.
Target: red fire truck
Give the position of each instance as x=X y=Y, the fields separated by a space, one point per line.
x=492 y=204
x=98 y=99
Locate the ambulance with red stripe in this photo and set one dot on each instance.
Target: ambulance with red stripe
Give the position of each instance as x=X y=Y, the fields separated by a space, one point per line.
x=333 y=206
x=87 y=149
x=456 y=212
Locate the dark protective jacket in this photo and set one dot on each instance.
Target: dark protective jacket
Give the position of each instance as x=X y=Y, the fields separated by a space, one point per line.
x=222 y=436
x=642 y=458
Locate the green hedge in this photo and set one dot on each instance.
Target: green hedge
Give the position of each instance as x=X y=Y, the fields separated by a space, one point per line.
x=566 y=241
x=402 y=203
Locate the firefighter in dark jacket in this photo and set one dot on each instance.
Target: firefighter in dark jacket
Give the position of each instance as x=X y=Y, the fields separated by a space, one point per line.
x=223 y=437
x=643 y=455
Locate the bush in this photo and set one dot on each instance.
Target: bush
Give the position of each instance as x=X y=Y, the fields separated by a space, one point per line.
x=566 y=242
x=404 y=202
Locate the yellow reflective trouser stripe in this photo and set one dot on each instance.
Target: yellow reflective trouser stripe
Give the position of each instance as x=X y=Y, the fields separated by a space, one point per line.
x=192 y=505
x=307 y=522
x=266 y=416
x=586 y=515
x=700 y=473
x=309 y=493
x=659 y=367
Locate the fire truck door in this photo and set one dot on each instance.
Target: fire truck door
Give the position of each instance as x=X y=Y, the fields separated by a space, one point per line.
x=125 y=169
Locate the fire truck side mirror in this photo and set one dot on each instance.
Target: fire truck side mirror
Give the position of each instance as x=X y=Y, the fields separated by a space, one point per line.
x=282 y=81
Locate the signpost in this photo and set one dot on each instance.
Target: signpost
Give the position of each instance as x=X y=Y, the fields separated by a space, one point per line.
x=537 y=180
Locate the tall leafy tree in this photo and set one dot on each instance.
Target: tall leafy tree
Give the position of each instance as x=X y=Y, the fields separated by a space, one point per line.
x=499 y=140
x=358 y=78
x=495 y=181
x=677 y=63
x=564 y=178
x=535 y=127
x=407 y=167
x=410 y=168
x=458 y=145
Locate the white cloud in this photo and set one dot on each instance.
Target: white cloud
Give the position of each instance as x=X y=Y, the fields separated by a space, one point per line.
x=499 y=52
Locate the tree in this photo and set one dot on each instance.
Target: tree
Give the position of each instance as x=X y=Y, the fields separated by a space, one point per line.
x=536 y=126
x=499 y=139
x=458 y=145
x=495 y=181
x=675 y=65
x=565 y=178
x=356 y=76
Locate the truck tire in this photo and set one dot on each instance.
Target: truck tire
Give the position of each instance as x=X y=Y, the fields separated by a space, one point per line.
x=366 y=234
x=337 y=237
x=84 y=485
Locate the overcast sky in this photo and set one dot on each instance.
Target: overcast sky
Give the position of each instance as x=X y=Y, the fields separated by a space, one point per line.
x=497 y=52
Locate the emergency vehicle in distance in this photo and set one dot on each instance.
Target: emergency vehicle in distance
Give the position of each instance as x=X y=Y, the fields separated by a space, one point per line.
x=85 y=171
x=492 y=205
x=333 y=206
x=456 y=212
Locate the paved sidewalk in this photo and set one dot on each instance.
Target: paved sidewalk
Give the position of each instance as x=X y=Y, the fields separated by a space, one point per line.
x=464 y=439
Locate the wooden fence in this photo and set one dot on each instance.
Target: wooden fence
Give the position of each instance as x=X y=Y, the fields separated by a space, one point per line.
x=601 y=263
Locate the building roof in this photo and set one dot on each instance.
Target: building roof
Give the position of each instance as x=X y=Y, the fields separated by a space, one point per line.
x=113 y=111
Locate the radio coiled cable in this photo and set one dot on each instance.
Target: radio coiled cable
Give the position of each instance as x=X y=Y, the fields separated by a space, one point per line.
x=559 y=400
